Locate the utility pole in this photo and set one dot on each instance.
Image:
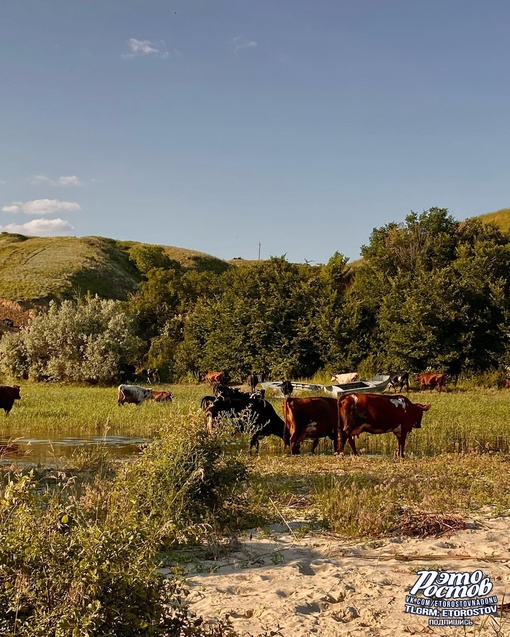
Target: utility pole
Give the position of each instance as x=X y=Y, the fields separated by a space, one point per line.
x=259 y=250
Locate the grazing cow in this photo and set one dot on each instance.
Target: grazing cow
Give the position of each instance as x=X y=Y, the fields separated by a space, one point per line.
x=254 y=379
x=133 y=394
x=162 y=396
x=214 y=378
x=262 y=418
x=378 y=414
x=432 y=380
x=351 y=377
x=8 y=394
x=399 y=378
x=311 y=418
x=287 y=388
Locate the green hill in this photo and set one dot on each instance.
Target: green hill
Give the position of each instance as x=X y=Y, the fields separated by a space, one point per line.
x=37 y=269
x=501 y=218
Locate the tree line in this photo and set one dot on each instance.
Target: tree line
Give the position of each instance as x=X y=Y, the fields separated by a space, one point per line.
x=428 y=292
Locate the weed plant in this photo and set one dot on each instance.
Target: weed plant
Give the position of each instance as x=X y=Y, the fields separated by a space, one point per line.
x=78 y=549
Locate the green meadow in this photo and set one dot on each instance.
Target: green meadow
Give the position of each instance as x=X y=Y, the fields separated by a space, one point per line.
x=458 y=421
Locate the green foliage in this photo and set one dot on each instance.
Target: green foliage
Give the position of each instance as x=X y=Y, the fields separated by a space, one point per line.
x=264 y=319
x=86 y=341
x=79 y=557
x=432 y=292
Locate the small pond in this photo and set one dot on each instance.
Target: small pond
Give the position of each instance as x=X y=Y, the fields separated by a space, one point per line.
x=35 y=450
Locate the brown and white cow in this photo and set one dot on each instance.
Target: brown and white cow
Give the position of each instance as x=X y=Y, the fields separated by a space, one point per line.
x=350 y=377
x=377 y=414
x=8 y=394
x=432 y=380
x=311 y=418
x=133 y=394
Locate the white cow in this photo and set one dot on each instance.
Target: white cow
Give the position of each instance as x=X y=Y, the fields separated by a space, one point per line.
x=133 y=394
x=351 y=377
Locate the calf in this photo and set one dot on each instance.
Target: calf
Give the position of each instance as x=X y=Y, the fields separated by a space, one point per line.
x=162 y=396
x=8 y=394
x=432 y=381
x=378 y=414
x=311 y=418
x=133 y=394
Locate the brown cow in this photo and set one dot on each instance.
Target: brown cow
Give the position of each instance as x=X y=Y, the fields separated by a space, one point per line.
x=432 y=380
x=311 y=418
x=162 y=396
x=378 y=414
x=213 y=378
x=8 y=394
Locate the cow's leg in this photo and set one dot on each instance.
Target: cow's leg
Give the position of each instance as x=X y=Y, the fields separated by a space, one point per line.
x=294 y=445
x=353 y=445
x=401 y=437
x=341 y=439
x=210 y=427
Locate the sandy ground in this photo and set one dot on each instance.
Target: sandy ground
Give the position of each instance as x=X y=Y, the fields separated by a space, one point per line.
x=275 y=583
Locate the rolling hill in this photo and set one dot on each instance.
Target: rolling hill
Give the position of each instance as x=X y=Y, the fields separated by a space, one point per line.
x=34 y=270
x=501 y=218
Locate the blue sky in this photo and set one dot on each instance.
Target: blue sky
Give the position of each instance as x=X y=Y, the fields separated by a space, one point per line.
x=217 y=125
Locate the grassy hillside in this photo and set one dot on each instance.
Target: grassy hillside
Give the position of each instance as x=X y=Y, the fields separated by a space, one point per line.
x=500 y=218
x=37 y=269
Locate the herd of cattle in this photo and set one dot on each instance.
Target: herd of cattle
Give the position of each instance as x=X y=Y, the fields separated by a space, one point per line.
x=341 y=419
x=312 y=418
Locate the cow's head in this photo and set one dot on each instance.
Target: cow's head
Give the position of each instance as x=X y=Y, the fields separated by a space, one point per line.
x=421 y=409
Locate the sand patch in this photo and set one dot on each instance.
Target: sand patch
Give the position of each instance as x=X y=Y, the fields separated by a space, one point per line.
x=319 y=585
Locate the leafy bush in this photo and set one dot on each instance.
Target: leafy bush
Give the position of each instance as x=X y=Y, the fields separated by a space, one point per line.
x=79 y=557
x=86 y=341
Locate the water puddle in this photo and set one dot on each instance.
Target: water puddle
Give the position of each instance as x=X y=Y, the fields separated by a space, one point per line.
x=25 y=451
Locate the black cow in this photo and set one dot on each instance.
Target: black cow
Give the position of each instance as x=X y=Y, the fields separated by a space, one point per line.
x=261 y=416
x=8 y=394
x=400 y=380
x=287 y=388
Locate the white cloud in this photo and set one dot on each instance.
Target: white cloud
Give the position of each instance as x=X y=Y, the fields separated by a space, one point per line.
x=70 y=180
x=41 y=228
x=41 y=206
x=147 y=47
x=240 y=43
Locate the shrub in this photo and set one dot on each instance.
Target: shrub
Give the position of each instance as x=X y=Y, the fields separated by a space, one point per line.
x=79 y=557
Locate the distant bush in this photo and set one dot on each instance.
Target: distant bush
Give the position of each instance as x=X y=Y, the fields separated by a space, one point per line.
x=85 y=341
